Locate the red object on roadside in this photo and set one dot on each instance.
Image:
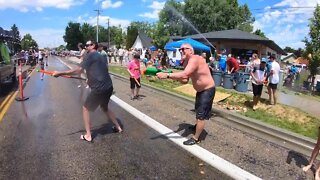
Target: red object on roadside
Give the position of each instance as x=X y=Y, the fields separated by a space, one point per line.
x=21 y=98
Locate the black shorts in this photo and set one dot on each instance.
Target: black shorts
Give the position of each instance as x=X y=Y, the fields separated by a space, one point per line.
x=95 y=99
x=273 y=86
x=203 y=105
x=257 y=89
x=133 y=83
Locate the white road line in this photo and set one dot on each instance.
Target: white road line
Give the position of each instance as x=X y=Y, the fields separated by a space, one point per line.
x=224 y=166
x=215 y=161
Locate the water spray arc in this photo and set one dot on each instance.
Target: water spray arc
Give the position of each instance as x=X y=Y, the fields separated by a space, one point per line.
x=184 y=19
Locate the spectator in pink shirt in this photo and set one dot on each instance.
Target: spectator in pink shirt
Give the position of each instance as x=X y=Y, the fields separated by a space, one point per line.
x=135 y=73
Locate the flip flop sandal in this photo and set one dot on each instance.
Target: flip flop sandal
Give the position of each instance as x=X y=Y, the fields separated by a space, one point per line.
x=84 y=138
x=116 y=130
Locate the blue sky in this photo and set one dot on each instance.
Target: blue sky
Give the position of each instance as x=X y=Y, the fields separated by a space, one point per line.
x=46 y=20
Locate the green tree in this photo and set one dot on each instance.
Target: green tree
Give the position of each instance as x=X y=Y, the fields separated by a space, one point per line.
x=299 y=52
x=16 y=35
x=312 y=43
x=132 y=33
x=192 y=17
x=73 y=36
x=116 y=36
x=289 y=49
x=259 y=33
x=134 y=28
x=60 y=48
x=87 y=32
x=28 y=42
x=216 y=15
x=171 y=16
x=246 y=19
x=160 y=35
x=103 y=34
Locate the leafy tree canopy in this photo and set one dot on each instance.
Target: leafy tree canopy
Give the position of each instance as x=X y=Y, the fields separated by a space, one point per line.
x=16 y=35
x=313 y=42
x=205 y=16
x=135 y=27
x=73 y=36
x=28 y=42
x=259 y=33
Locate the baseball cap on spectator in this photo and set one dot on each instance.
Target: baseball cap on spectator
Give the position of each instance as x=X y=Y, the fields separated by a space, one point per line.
x=264 y=60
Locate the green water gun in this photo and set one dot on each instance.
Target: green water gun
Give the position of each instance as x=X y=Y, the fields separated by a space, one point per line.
x=151 y=71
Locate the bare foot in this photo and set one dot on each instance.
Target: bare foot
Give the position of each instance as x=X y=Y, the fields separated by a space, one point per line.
x=317 y=177
x=306 y=168
x=117 y=129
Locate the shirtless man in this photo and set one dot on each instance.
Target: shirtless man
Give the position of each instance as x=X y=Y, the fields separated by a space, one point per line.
x=195 y=67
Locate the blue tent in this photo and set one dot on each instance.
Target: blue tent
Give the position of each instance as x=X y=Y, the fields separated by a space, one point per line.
x=195 y=44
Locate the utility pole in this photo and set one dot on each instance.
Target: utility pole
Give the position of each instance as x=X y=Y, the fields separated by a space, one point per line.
x=108 y=33
x=98 y=14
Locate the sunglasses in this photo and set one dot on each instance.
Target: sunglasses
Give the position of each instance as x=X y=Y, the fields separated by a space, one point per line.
x=87 y=45
x=182 y=49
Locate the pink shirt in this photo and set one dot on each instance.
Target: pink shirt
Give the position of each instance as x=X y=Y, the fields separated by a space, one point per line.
x=134 y=68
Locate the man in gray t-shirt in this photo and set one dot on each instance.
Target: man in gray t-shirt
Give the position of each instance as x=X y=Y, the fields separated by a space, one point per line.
x=97 y=72
x=101 y=87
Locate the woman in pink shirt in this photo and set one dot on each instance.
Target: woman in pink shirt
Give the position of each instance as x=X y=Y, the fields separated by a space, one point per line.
x=135 y=73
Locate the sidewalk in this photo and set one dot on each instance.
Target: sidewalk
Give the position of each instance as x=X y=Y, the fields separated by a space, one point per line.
x=304 y=104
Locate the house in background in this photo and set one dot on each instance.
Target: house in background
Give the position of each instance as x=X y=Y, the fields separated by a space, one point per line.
x=142 y=43
x=237 y=43
x=301 y=60
x=289 y=58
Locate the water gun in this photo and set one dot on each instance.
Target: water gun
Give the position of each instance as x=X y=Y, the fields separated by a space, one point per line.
x=151 y=71
x=65 y=76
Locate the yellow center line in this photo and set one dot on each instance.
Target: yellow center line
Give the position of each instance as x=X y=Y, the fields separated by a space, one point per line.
x=7 y=105
x=8 y=101
x=5 y=100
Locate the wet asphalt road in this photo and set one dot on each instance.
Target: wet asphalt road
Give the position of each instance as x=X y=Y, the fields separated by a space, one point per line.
x=39 y=139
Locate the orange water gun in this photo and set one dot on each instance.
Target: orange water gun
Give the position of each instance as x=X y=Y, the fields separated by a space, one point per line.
x=65 y=76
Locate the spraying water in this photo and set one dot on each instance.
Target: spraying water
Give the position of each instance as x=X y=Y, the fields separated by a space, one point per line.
x=184 y=19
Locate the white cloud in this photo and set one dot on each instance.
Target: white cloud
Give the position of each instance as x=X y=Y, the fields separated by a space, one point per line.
x=38 y=5
x=285 y=24
x=297 y=3
x=46 y=37
x=288 y=35
x=156 y=6
x=108 y=4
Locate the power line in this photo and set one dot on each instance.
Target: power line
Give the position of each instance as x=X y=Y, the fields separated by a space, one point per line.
x=274 y=8
x=287 y=13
